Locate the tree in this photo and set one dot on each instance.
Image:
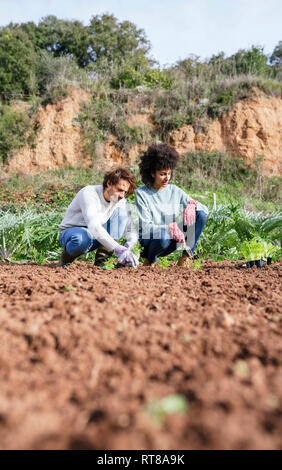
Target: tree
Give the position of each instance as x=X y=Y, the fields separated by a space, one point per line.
x=252 y=61
x=64 y=37
x=276 y=57
x=105 y=38
x=17 y=63
x=115 y=41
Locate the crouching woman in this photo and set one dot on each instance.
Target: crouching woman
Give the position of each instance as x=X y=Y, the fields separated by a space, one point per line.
x=167 y=215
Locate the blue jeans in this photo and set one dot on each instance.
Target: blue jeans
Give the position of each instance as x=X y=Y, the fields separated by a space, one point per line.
x=77 y=240
x=152 y=249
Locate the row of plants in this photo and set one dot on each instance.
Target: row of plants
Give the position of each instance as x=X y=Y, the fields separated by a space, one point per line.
x=230 y=233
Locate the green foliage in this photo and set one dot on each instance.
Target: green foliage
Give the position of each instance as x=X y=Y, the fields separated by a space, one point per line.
x=257 y=249
x=135 y=71
x=113 y=40
x=17 y=64
x=230 y=226
x=109 y=114
x=136 y=250
x=197 y=264
x=17 y=128
x=223 y=100
x=164 y=262
x=251 y=61
x=171 y=404
x=110 y=262
x=54 y=74
x=28 y=234
x=104 y=38
x=276 y=57
x=228 y=177
x=202 y=90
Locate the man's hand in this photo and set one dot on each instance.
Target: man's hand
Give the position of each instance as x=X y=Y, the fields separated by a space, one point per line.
x=126 y=256
x=175 y=232
x=189 y=214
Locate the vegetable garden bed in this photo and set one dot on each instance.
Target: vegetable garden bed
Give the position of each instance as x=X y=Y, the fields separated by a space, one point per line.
x=153 y=358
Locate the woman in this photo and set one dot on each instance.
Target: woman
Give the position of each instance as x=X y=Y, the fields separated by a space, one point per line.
x=165 y=211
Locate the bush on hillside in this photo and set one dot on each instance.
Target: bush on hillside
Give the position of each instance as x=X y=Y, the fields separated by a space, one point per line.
x=17 y=64
x=17 y=128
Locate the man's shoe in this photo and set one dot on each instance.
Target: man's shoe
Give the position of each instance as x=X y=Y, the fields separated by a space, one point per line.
x=147 y=263
x=65 y=259
x=102 y=255
x=185 y=261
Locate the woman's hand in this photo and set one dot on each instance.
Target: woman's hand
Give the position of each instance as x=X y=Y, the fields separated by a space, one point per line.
x=175 y=232
x=189 y=214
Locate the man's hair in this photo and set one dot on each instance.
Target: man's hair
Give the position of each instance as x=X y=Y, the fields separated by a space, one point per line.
x=157 y=157
x=113 y=177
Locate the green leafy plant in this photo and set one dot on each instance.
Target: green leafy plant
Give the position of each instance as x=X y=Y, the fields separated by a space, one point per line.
x=17 y=128
x=197 y=263
x=171 y=404
x=164 y=262
x=256 y=249
x=110 y=262
x=136 y=250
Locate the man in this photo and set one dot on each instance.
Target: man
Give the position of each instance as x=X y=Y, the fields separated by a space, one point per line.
x=164 y=210
x=97 y=217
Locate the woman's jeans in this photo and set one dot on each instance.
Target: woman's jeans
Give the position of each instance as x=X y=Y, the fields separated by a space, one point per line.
x=153 y=248
x=77 y=240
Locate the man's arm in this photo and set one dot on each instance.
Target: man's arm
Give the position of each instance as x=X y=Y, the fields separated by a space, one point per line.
x=91 y=211
x=130 y=232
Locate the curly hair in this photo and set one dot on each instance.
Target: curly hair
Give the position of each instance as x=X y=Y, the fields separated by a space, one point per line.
x=157 y=157
x=113 y=177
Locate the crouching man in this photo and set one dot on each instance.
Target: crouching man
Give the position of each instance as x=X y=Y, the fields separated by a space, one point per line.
x=97 y=218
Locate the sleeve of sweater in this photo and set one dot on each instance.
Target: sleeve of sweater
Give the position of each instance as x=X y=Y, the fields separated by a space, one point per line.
x=91 y=210
x=147 y=225
x=130 y=232
x=185 y=198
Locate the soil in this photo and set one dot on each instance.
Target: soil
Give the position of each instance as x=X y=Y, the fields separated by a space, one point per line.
x=84 y=350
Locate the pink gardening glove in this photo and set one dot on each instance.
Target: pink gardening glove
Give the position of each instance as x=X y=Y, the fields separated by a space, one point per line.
x=189 y=214
x=175 y=232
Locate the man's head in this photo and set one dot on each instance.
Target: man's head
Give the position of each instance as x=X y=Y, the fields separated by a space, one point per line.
x=118 y=183
x=157 y=165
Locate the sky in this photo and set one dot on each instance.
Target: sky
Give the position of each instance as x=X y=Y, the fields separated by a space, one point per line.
x=175 y=28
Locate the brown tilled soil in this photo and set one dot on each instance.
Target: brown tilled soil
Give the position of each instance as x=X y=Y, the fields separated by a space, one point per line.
x=83 y=351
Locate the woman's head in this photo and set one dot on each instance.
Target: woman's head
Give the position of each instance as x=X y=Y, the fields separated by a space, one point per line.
x=157 y=157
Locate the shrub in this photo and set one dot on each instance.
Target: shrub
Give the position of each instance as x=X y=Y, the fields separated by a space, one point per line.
x=55 y=73
x=216 y=171
x=109 y=114
x=17 y=128
x=17 y=64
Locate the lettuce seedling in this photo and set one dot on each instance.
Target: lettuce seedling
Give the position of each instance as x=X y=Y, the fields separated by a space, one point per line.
x=257 y=249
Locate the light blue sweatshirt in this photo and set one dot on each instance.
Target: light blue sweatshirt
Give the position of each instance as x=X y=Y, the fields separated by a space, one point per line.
x=157 y=208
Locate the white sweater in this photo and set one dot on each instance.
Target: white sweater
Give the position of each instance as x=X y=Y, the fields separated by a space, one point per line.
x=90 y=209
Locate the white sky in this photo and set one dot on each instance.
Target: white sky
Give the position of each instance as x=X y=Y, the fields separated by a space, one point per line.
x=175 y=28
